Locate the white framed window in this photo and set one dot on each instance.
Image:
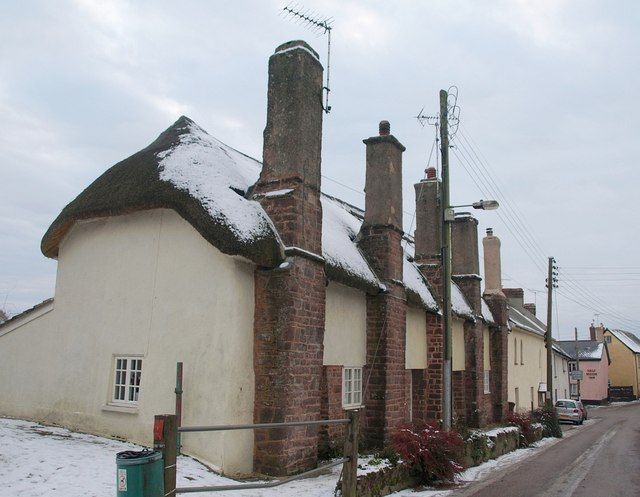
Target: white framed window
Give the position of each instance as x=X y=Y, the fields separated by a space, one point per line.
x=127 y=373
x=351 y=387
x=607 y=338
x=487 y=381
x=573 y=366
x=573 y=389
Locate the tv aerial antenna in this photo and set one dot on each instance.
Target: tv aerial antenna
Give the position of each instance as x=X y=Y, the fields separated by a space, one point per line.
x=320 y=25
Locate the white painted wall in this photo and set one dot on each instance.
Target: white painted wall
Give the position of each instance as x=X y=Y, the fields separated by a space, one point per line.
x=486 y=344
x=345 y=335
x=416 y=340
x=145 y=283
x=525 y=372
x=560 y=377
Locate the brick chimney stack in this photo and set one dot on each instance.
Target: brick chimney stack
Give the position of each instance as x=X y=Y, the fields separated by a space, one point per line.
x=290 y=303
x=497 y=302
x=428 y=219
x=292 y=145
x=531 y=307
x=428 y=245
x=465 y=265
x=514 y=295
x=380 y=239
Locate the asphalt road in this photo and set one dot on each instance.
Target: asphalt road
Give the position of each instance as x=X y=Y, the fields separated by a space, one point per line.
x=598 y=459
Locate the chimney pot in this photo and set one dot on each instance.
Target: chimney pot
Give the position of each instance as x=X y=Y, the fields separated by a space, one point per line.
x=431 y=173
x=489 y=231
x=384 y=128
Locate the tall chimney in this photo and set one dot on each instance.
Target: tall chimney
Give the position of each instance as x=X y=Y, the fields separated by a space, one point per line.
x=380 y=239
x=383 y=183
x=465 y=265
x=492 y=265
x=289 y=314
x=292 y=145
x=428 y=219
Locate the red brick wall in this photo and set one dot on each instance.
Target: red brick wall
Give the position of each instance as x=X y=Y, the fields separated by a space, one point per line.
x=499 y=346
x=385 y=394
x=288 y=348
x=331 y=436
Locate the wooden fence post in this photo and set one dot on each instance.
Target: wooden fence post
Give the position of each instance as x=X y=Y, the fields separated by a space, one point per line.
x=350 y=467
x=165 y=438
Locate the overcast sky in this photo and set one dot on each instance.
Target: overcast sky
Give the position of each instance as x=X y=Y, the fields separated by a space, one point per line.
x=548 y=91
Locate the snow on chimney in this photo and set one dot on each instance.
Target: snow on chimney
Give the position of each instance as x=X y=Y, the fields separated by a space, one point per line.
x=292 y=145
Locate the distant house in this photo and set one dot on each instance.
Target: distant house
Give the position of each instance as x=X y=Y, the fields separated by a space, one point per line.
x=283 y=303
x=592 y=358
x=527 y=359
x=561 y=385
x=624 y=373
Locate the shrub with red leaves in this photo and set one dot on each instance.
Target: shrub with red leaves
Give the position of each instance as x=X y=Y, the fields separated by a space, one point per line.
x=527 y=434
x=435 y=454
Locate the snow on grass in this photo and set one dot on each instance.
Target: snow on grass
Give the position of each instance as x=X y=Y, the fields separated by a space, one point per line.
x=39 y=461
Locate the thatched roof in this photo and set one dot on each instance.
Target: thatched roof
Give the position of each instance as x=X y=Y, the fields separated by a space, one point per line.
x=186 y=170
x=207 y=183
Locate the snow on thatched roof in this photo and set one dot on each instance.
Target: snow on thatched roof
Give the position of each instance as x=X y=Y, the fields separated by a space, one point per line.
x=208 y=183
x=487 y=315
x=345 y=262
x=186 y=170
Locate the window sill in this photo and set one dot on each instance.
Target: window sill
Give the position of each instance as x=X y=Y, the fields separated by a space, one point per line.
x=122 y=409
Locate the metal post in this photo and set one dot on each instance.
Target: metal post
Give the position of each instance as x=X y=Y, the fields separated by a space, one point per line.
x=548 y=339
x=165 y=436
x=447 y=407
x=178 y=391
x=350 y=466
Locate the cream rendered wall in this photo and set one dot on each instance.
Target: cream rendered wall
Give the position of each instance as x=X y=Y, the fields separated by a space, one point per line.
x=457 y=349
x=145 y=283
x=345 y=331
x=527 y=375
x=560 y=377
x=416 y=343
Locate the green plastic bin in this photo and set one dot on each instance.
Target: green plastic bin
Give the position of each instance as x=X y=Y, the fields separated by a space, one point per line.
x=139 y=474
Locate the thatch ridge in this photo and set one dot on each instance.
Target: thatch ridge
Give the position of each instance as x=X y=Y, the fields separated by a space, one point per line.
x=134 y=184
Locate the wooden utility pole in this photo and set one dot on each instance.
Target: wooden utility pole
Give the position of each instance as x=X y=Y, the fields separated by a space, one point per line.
x=577 y=360
x=548 y=338
x=447 y=215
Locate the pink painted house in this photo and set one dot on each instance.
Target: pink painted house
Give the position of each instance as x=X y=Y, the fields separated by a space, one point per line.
x=594 y=360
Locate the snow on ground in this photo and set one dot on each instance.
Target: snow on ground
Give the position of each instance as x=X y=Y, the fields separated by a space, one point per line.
x=39 y=461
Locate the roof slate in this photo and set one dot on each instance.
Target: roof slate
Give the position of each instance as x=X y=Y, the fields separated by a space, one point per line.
x=629 y=339
x=588 y=350
x=522 y=318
